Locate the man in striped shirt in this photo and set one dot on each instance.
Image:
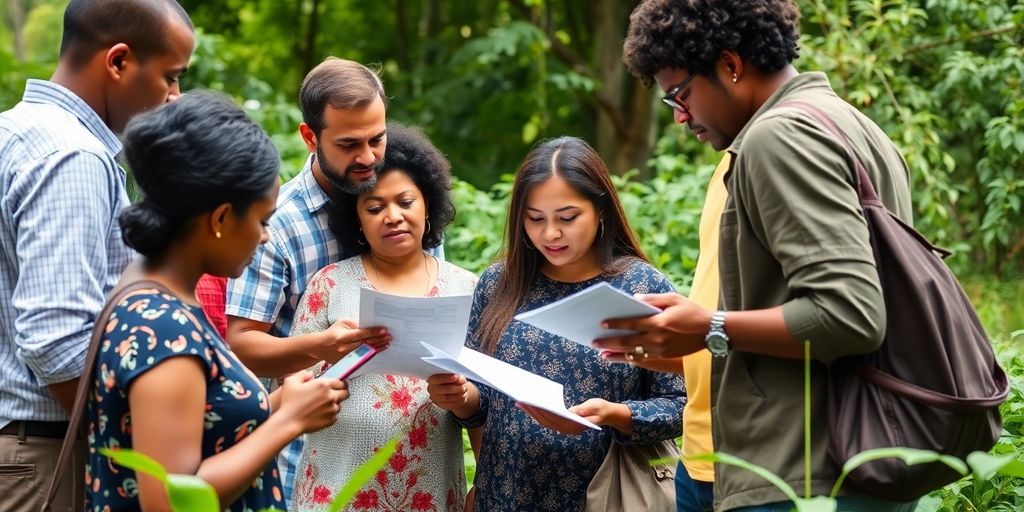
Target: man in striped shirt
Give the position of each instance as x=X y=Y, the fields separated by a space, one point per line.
x=60 y=245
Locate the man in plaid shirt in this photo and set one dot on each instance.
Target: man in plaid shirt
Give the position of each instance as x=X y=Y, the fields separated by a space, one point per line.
x=343 y=110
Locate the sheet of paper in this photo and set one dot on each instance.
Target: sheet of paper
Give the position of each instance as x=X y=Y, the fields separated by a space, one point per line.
x=578 y=317
x=441 y=321
x=521 y=385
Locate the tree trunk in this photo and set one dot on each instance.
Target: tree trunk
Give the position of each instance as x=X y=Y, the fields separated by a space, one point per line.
x=624 y=143
x=17 y=14
x=309 y=54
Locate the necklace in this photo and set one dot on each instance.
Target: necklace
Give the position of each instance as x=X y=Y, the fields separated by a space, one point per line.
x=426 y=270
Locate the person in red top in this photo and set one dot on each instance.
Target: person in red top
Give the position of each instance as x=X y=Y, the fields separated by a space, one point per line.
x=211 y=292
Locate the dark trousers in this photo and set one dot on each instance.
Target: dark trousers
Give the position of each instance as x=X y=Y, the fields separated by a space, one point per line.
x=693 y=495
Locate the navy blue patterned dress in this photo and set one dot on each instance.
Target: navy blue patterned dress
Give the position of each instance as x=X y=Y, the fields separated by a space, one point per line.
x=144 y=330
x=526 y=467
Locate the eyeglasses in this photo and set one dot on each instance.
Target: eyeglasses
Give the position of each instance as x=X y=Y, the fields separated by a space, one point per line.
x=670 y=98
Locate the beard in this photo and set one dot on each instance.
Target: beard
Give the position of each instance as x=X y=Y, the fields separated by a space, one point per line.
x=340 y=178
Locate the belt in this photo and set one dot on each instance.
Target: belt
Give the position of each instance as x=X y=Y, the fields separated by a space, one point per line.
x=52 y=429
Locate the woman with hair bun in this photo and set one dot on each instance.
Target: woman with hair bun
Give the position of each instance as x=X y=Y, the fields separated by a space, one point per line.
x=166 y=384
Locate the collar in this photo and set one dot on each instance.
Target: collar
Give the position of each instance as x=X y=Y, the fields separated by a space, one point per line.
x=801 y=83
x=46 y=92
x=315 y=196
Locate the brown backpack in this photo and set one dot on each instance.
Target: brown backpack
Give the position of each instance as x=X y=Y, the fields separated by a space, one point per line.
x=934 y=384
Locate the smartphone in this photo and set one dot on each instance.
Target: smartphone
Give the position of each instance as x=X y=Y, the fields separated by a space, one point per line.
x=350 y=363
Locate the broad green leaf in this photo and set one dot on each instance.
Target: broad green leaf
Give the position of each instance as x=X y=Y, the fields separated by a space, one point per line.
x=816 y=504
x=138 y=462
x=191 y=493
x=186 y=492
x=725 y=458
x=985 y=465
x=909 y=456
x=363 y=474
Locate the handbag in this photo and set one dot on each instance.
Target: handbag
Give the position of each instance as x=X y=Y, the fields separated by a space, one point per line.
x=75 y=427
x=627 y=481
x=934 y=384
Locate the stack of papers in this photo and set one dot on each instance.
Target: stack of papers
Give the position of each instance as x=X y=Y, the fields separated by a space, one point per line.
x=428 y=336
x=440 y=321
x=578 y=317
x=521 y=385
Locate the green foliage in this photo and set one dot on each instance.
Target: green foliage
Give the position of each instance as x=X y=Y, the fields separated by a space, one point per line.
x=363 y=474
x=1003 y=491
x=944 y=79
x=186 y=492
x=189 y=493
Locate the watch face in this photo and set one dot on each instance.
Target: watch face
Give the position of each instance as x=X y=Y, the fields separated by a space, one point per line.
x=718 y=345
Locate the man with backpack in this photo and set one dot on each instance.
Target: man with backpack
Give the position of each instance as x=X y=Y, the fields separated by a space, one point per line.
x=795 y=255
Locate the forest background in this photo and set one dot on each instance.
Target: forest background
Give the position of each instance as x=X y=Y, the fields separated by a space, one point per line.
x=488 y=79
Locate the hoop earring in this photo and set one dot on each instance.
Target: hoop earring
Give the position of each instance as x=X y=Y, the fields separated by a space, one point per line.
x=601 y=233
x=428 y=227
x=361 y=238
x=526 y=241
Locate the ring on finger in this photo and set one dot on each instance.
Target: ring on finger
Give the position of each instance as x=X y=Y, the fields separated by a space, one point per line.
x=630 y=358
x=639 y=350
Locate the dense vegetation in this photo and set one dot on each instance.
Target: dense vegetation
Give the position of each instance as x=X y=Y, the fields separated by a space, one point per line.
x=945 y=79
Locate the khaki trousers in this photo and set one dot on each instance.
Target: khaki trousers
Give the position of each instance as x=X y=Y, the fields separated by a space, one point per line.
x=26 y=467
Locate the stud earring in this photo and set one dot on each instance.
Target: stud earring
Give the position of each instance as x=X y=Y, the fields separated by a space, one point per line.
x=217 y=234
x=734 y=78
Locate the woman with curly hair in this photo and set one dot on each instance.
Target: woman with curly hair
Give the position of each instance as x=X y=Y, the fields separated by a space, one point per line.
x=390 y=227
x=795 y=257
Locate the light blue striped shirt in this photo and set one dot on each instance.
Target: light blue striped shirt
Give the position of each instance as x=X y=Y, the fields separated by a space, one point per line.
x=60 y=192
x=301 y=243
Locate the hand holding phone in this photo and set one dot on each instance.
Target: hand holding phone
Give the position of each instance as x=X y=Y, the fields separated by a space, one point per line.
x=350 y=363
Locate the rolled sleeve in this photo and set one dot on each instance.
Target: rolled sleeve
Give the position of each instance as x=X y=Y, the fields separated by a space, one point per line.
x=803 y=208
x=63 y=262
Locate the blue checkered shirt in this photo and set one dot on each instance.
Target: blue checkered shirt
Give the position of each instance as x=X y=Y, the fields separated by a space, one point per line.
x=60 y=244
x=301 y=243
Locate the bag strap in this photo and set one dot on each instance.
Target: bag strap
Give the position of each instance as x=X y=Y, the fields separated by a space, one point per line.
x=936 y=399
x=85 y=381
x=862 y=182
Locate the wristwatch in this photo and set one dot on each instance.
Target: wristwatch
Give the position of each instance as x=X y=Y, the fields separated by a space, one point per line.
x=717 y=341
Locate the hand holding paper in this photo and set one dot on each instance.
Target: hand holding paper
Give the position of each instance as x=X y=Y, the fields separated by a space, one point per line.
x=521 y=385
x=578 y=317
x=440 y=321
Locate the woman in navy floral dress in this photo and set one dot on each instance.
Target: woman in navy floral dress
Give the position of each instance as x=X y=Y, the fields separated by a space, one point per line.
x=566 y=231
x=165 y=382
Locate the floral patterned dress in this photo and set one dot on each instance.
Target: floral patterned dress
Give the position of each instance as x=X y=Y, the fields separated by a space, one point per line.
x=145 y=329
x=426 y=473
x=524 y=466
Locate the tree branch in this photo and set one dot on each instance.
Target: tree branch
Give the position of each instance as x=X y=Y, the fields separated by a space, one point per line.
x=577 y=64
x=963 y=39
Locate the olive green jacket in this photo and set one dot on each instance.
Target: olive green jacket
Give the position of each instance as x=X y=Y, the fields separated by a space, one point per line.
x=793 y=235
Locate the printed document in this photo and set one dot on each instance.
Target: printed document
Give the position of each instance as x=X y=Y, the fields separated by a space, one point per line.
x=578 y=317
x=440 y=321
x=521 y=385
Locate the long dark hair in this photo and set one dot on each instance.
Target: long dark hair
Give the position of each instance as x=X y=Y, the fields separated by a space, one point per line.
x=578 y=164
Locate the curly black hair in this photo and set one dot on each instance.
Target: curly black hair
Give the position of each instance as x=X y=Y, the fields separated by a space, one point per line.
x=408 y=150
x=691 y=34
